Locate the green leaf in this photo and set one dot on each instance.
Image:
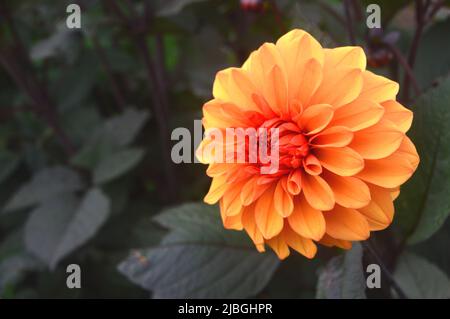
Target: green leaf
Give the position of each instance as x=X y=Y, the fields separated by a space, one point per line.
x=116 y=132
x=80 y=122
x=62 y=224
x=73 y=87
x=117 y=164
x=198 y=258
x=433 y=55
x=13 y=268
x=343 y=276
x=425 y=201
x=8 y=163
x=47 y=183
x=420 y=279
x=122 y=129
x=202 y=68
x=62 y=41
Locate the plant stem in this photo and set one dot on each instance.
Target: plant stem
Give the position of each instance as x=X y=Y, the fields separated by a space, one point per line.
x=408 y=71
x=278 y=16
x=349 y=22
x=115 y=88
x=158 y=93
x=29 y=84
x=422 y=18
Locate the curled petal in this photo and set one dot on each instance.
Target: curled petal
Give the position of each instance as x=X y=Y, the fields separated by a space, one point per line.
x=294 y=182
x=312 y=165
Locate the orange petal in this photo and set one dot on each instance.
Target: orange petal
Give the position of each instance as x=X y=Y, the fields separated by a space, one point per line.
x=244 y=88
x=388 y=172
x=233 y=85
x=312 y=165
x=342 y=161
x=304 y=246
x=339 y=87
x=298 y=48
x=315 y=118
x=310 y=81
x=409 y=152
x=249 y=223
x=317 y=192
x=377 y=141
x=217 y=189
x=358 y=114
x=217 y=169
x=331 y=242
x=214 y=117
x=260 y=65
x=279 y=246
x=283 y=199
x=307 y=221
x=348 y=191
x=269 y=222
x=278 y=91
x=395 y=193
x=347 y=224
x=252 y=190
x=398 y=114
x=335 y=136
x=294 y=182
x=231 y=222
x=377 y=88
x=380 y=211
x=345 y=57
x=231 y=200
x=221 y=89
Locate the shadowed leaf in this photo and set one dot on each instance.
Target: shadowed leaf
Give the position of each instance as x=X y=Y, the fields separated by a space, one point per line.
x=199 y=258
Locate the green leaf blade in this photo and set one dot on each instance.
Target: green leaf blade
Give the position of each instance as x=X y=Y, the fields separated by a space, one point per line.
x=199 y=259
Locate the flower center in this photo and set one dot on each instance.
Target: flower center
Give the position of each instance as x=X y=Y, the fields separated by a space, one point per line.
x=293 y=144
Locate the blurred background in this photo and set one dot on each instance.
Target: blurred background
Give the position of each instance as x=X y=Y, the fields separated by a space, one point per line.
x=85 y=122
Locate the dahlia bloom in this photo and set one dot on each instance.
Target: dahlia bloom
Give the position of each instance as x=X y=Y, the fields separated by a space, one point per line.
x=343 y=152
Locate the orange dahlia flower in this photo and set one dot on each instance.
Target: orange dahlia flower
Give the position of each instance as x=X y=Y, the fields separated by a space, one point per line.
x=343 y=152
